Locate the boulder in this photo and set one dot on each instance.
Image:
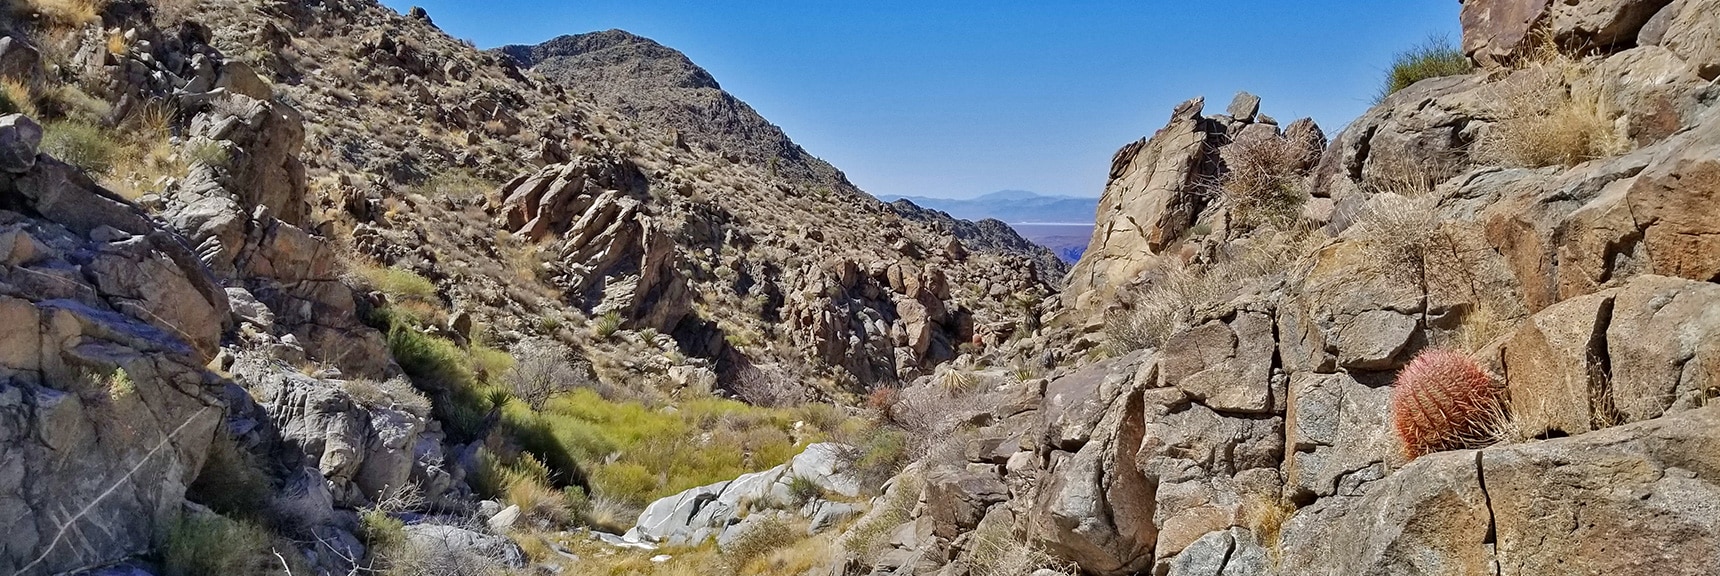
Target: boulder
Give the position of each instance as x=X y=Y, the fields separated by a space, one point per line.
x=458 y=546
x=1553 y=366
x=1339 y=434
x=956 y=499
x=1636 y=499
x=1494 y=30
x=1146 y=206
x=1224 y=366
x=1430 y=517
x=699 y=514
x=20 y=138
x=1676 y=204
x=1663 y=346
x=1686 y=28
x=1095 y=507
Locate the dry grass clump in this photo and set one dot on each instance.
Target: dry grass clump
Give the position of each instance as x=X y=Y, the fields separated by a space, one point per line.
x=57 y=14
x=1264 y=180
x=871 y=536
x=392 y=393
x=1395 y=233
x=1175 y=299
x=995 y=553
x=772 y=533
x=1550 y=118
x=17 y=98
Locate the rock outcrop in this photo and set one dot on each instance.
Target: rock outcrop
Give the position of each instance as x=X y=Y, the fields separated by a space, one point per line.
x=701 y=514
x=106 y=409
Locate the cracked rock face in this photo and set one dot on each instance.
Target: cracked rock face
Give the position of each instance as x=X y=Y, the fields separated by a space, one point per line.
x=106 y=410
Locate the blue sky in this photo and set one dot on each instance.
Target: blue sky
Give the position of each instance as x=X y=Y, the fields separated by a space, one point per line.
x=961 y=98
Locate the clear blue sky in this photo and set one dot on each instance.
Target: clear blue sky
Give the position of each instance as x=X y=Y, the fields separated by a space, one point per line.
x=961 y=98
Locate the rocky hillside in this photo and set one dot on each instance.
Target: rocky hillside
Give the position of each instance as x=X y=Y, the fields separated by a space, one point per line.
x=660 y=88
x=312 y=288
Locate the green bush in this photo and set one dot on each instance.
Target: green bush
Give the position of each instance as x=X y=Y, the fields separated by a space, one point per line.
x=1434 y=58
x=206 y=152
x=81 y=144
x=216 y=546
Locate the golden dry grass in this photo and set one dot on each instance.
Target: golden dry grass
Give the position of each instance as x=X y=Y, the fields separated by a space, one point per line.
x=60 y=14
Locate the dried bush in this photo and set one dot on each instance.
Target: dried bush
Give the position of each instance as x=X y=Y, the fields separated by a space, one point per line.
x=57 y=14
x=1178 y=293
x=1263 y=183
x=541 y=372
x=765 y=536
x=1551 y=116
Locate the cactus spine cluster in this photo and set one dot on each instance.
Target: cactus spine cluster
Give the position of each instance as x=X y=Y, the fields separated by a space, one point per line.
x=1441 y=401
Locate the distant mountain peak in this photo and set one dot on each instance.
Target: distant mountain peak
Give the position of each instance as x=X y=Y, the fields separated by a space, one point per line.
x=615 y=46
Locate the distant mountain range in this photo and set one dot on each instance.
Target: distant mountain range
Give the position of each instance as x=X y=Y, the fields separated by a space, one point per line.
x=1061 y=223
x=1013 y=206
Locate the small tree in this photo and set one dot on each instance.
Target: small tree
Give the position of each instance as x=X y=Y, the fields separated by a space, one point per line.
x=539 y=374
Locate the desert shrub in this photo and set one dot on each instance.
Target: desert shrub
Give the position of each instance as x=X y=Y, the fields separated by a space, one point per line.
x=1176 y=293
x=1396 y=233
x=803 y=489
x=58 y=13
x=871 y=536
x=765 y=536
x=1434 y=58
x=381 y=532
x=542 y=373
x=206 y=152
x=393 y=393
x=15 y=97
x=606 y=325
x=81 y=144
x=459 y=184
x=399 y=283
x=955 y=381
x=1443 y=400
x=232 y=481
x=209 y=545
x=1263 y=181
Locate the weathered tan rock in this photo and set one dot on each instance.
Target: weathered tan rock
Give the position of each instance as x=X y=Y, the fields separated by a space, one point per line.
x=1430 y=517
x=1636 y=499
x=1225 y=366
x=1601 y=23
x=1553 y=367
x=1144 y=207
x=1676 y=202
x=1493 y=30
x=1663 y=346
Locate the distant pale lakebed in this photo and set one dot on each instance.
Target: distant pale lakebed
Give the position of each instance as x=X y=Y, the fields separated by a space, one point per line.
x=1067 y=239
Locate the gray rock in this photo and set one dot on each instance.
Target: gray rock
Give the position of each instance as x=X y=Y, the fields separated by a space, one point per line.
x=1663 y=343
x=20 y=139
x=504 y=519
x=1336 y=427
x=459 y=542
x=247 y=308
x=1375 y=340
x=1244 y=106
x=698 y=514
x=829 y=514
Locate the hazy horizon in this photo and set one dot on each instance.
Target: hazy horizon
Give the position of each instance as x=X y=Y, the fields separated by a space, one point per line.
x=960 y=99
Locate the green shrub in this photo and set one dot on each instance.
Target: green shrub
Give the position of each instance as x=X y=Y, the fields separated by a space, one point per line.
x=1434 y=58
x=803 y=489
x=206 y=152
x=399 y=283
x=216 y=546
x=606 y=325
x=81 y=144
x=381 y=531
